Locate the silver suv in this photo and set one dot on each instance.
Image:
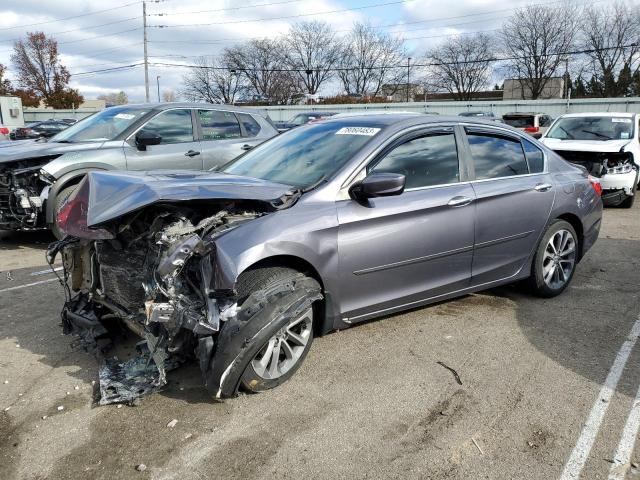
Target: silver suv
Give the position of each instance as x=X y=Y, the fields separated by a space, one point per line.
x=36 y=177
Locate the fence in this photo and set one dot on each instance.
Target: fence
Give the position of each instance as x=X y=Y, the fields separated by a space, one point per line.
x=553 y=107
x=39 y=114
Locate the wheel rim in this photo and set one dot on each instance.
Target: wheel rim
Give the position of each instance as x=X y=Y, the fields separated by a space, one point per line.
x=285 y=348
x=559 y=259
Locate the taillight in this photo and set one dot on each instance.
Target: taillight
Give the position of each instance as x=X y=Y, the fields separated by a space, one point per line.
x=532 y=129
x=72 y=216
x=4 y=131
x=596 y=185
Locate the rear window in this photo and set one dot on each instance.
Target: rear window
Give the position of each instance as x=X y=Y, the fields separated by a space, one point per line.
x=519 y=121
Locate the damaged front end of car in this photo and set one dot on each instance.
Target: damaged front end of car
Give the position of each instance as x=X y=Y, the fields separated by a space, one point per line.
x=617 y=171
x=23 y=193
x=154 y=272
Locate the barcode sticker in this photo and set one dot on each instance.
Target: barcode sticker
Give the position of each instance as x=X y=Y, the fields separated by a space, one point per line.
x=367 y=131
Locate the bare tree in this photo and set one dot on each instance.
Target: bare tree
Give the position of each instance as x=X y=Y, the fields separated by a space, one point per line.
x=461 y=65
x=168 y=96
x=612 y=34
x=212 y=81
x=38 y=67
x=370 y=59
x=312 y=50
x=115 y=98
x=261 y=63
x=534 y=38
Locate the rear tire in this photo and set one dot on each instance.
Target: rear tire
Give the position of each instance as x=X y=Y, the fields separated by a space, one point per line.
x=554 y=262
x=58 y=202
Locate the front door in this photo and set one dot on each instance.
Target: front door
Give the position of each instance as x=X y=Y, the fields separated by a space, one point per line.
x=178 y=150
x=400 y=250
x=514 y=196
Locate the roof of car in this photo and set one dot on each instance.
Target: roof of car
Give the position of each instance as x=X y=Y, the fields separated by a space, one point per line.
x=600 y=114
x=409 y=118
x=169 y=105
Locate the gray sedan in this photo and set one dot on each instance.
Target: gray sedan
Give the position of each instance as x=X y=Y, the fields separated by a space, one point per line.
x=318 y=229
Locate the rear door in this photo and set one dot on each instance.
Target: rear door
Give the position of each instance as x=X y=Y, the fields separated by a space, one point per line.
x=403 y=249
x=222 y=137
x=514 y=196
x=179 y=148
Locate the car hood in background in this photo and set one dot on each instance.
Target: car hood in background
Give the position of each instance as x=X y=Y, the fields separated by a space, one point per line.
x=23 y=149
x=607 y=146
x=114 y=194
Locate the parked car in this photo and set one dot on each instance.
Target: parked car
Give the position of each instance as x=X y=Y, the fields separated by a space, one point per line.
x=535 y=124
x=45 y=129
x=487 y=115
x=4 y=133
x=607 y=145
x=35 y=178
x=301 y=119
x=319 y=229
x=69 y=121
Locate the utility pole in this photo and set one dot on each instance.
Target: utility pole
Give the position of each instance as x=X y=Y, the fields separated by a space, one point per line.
x=408 y=73
x=146 y=57
x=158 y=83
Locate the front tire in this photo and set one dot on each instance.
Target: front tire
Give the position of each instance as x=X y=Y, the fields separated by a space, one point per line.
x=555 y=260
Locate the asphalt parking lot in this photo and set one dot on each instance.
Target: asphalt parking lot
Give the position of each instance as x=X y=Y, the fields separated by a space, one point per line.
x=369 y=402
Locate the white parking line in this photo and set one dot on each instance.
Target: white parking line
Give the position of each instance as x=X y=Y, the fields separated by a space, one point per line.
x=18 y=287
x=580 y=452
x=622 y=458
x=45 y=272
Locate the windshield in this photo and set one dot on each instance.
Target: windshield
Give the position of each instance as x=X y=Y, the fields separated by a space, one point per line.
x=592 y=128
x=304 y=156
x=103 y=126
x=519 y=121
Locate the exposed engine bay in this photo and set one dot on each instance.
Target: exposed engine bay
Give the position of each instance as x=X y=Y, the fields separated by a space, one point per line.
x=154 y=277
x=600 y=163
x=23 y=192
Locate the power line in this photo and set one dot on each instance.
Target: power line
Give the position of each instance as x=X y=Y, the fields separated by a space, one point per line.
x=284 y=17
x=72 y=17
x=105 y=70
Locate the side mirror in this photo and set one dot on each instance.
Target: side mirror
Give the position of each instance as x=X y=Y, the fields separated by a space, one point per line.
x=381 y=184
x=145 y=139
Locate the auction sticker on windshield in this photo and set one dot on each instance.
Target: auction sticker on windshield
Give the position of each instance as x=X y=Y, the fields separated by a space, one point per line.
x=621 y=120
x=125 y=116
x=367 y=131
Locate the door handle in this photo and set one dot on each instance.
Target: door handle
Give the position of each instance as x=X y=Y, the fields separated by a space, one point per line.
x=191 y=153
x=543 y=187
x=459 y=201
x=246 y=146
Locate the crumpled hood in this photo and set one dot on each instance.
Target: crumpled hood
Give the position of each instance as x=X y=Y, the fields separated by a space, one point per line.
x=606 y=146
x=23 y=149
x=114 y=194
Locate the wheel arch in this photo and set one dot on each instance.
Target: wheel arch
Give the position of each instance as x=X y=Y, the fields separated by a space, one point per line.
x=576 y=223
x=303 y=266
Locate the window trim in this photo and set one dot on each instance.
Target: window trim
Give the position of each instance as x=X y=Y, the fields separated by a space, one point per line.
x=130 y=139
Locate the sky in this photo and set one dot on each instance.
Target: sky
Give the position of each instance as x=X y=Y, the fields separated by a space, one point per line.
x=96 y=35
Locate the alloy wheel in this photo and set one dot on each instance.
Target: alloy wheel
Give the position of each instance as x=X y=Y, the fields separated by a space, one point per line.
x=285 y=348
x=559 y=259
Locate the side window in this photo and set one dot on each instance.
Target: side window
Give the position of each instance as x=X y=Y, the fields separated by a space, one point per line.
x=217 y=125
x=496 y=156
x=535 y=157
x=424 y=161
x=251 y=127
x=174 y=126
x=545 y=121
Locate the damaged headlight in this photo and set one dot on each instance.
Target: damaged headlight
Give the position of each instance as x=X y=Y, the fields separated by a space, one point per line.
x=617 y=167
